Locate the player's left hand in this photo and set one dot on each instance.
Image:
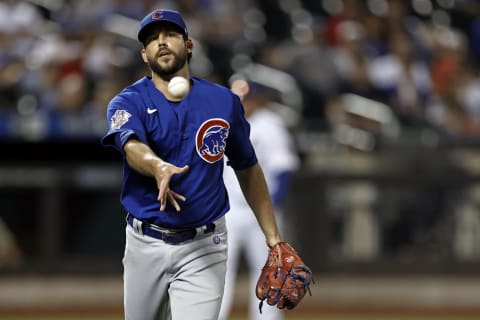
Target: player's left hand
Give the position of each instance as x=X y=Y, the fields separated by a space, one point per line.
x=284 y=279
x=163 y=175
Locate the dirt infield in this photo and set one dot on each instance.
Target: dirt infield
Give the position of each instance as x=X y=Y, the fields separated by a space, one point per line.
x=293 y=316
x=333 y=298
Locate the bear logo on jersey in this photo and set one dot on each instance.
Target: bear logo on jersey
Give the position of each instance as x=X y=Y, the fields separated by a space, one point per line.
x=210 y=139
x=119 y=118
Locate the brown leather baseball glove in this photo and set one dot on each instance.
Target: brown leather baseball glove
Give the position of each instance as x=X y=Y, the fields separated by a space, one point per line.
x=284 y=279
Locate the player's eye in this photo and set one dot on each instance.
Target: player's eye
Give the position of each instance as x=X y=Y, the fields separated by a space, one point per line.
x=173 y=34
x=150 y=38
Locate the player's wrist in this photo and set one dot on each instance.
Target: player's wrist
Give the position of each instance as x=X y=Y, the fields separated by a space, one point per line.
x=272 y=242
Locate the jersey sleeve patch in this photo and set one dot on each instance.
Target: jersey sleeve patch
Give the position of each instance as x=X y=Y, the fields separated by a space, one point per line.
x=119 y=118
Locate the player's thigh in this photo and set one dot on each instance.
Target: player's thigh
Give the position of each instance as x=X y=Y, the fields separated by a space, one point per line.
x=197 y=289
x=145 y=281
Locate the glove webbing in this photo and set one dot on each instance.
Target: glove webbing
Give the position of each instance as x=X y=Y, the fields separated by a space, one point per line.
x=295 y=277
x=302 y=278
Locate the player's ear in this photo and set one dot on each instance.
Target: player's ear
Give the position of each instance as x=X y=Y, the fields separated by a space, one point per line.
x=189 y=44
x=144 y=55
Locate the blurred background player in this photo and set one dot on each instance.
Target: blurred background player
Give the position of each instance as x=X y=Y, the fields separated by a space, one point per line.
x=278 y=157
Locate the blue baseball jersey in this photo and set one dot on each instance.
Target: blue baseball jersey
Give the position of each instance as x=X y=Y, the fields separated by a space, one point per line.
x=208 y=123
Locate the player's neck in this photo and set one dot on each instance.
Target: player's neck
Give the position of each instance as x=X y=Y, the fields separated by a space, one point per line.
x=162 y=83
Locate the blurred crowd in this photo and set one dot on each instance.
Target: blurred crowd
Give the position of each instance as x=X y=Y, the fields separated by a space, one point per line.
x=62 y=60
x=346 y=67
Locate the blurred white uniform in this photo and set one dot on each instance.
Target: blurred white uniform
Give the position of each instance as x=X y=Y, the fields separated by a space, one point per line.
x=276 y=154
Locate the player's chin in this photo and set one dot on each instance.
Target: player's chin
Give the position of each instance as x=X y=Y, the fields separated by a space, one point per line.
x=163 y=68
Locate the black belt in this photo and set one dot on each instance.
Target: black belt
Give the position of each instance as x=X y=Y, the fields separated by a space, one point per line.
x=169 y=236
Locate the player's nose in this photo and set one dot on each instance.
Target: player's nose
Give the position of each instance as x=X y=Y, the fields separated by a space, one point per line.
x=162 y=39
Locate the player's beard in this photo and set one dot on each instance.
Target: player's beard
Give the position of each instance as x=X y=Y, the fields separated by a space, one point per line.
x=179 y=62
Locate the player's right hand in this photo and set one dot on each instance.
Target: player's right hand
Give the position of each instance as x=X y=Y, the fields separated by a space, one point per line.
x=163 y=175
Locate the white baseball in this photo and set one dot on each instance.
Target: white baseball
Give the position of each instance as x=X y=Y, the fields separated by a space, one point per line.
x=178 y=87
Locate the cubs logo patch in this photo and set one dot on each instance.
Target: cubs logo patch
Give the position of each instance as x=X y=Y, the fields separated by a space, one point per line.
x=157 y=15
x=216 y=239
x=119 y=118
x=211 y=138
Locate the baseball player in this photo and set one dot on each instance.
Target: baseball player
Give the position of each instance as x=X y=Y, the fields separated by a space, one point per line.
x=269 y=136
x=173 y=189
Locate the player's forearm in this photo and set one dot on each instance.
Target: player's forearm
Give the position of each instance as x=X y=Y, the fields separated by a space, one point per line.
x=141 y=158
x=254 y=188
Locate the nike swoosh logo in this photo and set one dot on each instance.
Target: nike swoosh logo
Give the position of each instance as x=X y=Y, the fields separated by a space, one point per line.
x=150 y=111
